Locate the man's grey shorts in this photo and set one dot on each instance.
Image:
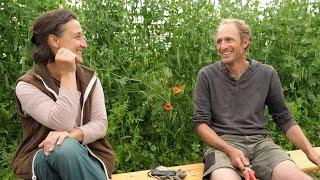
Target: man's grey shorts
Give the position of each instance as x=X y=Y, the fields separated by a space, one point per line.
x=262 y=152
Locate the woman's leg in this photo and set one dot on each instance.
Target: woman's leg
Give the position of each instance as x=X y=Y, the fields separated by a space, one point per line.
x=70 y=160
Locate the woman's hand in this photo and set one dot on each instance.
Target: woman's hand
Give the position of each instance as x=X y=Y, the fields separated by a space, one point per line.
x=65 y=68
x=53 y=138
x=57 y=137
x=65 y=61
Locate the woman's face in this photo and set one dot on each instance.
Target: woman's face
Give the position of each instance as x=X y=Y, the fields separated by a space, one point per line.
x=72 y=38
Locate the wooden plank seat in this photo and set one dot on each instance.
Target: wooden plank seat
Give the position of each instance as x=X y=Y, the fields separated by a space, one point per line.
x=195 y=171
x=302 y=161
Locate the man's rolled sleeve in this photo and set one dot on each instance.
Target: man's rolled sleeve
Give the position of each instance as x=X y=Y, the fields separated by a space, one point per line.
x=284 y=120
x=281 y=114
x=202 y=104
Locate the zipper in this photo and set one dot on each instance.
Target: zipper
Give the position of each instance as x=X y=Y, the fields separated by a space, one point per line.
x=47 y=87
x=85 y=96
x=34 y=177
x=104 y=167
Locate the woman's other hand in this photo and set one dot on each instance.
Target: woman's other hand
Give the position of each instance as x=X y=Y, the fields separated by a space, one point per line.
x=53 y=138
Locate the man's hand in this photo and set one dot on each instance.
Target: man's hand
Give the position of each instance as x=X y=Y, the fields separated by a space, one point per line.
x=314 y=157
x=53 y=138
x=238 y=159
x=297 y=137
x=210 y=137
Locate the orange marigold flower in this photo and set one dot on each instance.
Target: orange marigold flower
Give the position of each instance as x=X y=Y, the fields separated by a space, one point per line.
x=176 y=90
x=167 y=106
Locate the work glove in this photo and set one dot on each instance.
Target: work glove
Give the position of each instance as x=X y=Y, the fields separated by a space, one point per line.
x=163 y=173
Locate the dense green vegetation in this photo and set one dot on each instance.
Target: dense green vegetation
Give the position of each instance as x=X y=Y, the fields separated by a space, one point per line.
x=140 y=61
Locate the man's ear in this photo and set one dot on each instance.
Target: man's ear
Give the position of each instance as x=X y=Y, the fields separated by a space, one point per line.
x=245 y=43
x=53 y=41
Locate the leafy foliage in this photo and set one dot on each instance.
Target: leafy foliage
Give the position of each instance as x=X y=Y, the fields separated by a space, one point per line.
x=142 y=51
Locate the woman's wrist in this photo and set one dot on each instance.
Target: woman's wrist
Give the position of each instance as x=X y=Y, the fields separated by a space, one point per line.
x=76 y=134
x=68 y=81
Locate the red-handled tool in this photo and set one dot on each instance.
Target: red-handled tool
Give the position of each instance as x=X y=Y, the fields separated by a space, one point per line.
x=249 y=174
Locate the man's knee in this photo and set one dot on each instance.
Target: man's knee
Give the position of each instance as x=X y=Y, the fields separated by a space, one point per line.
x=224 y=174
x=288 y=170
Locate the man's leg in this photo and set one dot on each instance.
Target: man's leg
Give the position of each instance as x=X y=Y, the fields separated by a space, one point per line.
x=71 y=161
x=219 y=166
x=224 y=174
x=288 y=170
x=270 y=161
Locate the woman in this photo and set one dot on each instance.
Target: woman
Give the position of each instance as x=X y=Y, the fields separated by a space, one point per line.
x=61 y=104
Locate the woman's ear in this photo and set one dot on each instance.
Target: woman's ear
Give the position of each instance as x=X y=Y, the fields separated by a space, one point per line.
x=53 y=41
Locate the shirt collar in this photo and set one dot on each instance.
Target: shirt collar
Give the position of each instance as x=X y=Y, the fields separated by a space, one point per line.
x=252 y=65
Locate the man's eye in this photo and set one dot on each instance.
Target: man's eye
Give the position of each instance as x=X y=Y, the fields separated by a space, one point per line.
x=229 y=40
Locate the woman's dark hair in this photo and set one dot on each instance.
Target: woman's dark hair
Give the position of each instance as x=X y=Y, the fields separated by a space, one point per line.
x=49 y=23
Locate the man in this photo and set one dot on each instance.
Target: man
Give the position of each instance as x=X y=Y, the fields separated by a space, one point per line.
x=229 y=100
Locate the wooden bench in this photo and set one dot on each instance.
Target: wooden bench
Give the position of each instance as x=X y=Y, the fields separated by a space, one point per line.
x=195 y=171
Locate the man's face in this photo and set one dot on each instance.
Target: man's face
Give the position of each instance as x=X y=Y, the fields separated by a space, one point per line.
x=229 y=45
x=72 y=38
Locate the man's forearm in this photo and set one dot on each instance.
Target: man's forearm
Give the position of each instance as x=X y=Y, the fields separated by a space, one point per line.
x=212 y=139
x=297 y=137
